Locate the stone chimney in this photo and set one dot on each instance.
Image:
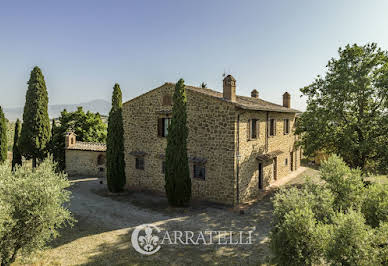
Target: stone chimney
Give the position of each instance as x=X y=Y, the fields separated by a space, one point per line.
x=70 y=139
x=229 y=88
x=254 y=94
x=287 y=100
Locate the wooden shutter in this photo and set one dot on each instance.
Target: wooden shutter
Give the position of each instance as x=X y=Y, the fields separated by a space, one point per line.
x=257 y=128
x=249 y=129
x=160 y=127
x=274 y=127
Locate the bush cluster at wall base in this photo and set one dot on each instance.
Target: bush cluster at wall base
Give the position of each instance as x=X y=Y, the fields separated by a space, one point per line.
x=340 y=222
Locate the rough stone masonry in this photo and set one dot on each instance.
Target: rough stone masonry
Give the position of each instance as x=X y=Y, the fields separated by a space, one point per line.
x=237 y=145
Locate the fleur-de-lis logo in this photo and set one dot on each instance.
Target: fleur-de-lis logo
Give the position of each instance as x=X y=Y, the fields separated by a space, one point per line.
x=148 y=243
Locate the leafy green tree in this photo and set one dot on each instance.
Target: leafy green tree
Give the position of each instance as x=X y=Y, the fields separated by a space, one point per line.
x=352 y=241
x=115 y=144
x=88 y=127
x=35 y=134
x=3 y=137
x=32 y=208
x=347 y=108
x=177 y=174
x=345 y=183
x=16 y=153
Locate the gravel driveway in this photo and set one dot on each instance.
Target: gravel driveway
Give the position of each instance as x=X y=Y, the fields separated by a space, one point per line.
x=92 y=205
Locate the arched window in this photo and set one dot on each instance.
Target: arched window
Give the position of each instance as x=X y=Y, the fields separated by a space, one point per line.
x=100 y=159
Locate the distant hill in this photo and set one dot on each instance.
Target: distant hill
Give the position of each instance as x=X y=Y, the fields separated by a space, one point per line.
x=96 y=106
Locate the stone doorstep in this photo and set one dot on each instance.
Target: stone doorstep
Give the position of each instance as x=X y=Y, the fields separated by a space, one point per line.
x=270 y=189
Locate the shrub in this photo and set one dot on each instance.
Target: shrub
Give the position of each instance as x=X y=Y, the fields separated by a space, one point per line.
x=340 y=222
x=345 y=183
x=299 y=240
x=352 y=241
x=318 y=199
x=381 y=242
x=31 y=208
x=375 y=205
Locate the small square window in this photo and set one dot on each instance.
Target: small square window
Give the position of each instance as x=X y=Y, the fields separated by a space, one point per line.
x=199 y=171
x=140 y=163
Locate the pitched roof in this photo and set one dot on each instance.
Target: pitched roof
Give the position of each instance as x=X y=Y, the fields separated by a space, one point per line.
x=87 y=146
x=244 y=102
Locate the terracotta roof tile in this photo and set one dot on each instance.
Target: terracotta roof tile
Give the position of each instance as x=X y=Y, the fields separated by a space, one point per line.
x=87 y=146
x=245 y=102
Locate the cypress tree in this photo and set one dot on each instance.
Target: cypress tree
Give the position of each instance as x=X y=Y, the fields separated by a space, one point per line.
x=115 y=144
x=177 y=174
x=3 y=137
x=16 y=154
x=35 y=134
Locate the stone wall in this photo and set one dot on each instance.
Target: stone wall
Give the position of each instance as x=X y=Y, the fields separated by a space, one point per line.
x=85 y=163
x=213 y=136
x=211 y=124
x=250 y=148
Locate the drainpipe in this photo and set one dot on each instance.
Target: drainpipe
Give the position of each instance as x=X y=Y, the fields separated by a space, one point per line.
x=238 y=160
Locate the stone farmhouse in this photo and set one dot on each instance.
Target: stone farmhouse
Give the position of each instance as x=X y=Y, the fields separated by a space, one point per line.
x=237 y=145
x=84 y=158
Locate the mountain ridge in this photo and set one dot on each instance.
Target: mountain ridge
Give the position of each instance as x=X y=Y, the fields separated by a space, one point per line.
x=96 y=106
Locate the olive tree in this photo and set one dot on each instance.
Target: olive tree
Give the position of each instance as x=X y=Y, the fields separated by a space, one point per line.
x=31 y=208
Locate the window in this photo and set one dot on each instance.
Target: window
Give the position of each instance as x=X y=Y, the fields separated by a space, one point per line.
x=166 y=100
x=199 y=171
x=100 y=159
x=286 y=162
x=140 y=163
x=101 y=169
x=272 y=127
x=163 y=124
x=253 y=129
x=163 y=167
x=286 y=126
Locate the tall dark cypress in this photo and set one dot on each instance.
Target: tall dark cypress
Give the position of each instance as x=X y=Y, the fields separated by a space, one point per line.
x=3 y=137
x=115 y=144
x=177 y=174
x=16 y=154
x=35 y=134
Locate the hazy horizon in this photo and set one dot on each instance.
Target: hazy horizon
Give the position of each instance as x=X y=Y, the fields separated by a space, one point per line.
x=84 y=47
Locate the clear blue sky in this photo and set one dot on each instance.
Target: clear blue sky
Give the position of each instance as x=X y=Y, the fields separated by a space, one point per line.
x=84 y=47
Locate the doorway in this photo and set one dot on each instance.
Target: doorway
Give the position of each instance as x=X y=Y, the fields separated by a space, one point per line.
x=260 y=175
x=292 y=161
